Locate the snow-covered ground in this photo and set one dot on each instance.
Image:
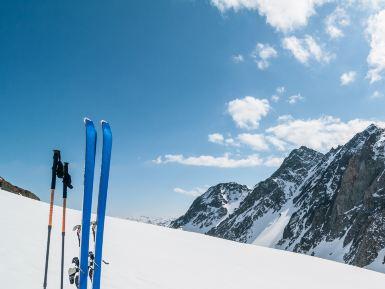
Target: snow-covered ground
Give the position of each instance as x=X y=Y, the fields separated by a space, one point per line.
x=144 y=256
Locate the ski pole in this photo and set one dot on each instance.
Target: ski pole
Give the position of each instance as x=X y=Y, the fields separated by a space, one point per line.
x=56 y=160
x=66 y=184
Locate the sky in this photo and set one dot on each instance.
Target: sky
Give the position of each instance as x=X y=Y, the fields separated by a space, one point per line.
x=196 y=92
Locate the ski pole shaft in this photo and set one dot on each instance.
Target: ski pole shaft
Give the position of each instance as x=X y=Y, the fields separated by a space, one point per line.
x=62 y=242
x=56 y=158
x=63 y=228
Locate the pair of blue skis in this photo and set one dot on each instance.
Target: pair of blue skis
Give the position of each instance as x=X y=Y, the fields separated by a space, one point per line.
x=87 y=202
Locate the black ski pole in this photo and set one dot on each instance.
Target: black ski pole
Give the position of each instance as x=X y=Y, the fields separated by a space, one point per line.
x=66 y=184
x=56 y=161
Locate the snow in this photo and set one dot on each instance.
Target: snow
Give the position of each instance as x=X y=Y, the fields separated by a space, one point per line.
x=333 y=250
x=144 y=256
x=273 y=233
x=212 y=216
x=378 y=262
x=378 y=147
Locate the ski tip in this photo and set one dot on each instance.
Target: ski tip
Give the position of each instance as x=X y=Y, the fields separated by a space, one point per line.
x=87 y=120
x=105 y=124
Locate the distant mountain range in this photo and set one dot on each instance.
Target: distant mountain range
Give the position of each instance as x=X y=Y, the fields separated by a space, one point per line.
x=7 y=186
x=327 y=205
x=164 y=222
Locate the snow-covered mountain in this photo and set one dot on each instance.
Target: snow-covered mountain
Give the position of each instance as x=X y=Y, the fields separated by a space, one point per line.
x=144 y=256
x=270 y=200
x=331 y=206
x=211 y=208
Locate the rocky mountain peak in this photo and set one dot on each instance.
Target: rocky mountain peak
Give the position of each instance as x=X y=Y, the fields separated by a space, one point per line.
x=209 y=209
x=302 y=155
x=224 y=193
x=373 y=129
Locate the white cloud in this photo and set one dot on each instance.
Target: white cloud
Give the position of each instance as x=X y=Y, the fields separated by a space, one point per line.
x=273 y=162
x=320 y=134
x=372 y=5
x=279 y=144
x=158 y=160
x=195 y=192
x=275 y=98
x=279 y=92
x=295 y=98
x=284 y=15
x=231 y=142
x=237 y=58
x=255 y=141
x=305 y=49
x=284 y=118
x=376 y=58
x=348 y=77
x=296 y=47
x=262 y=53
x=236 y=5
x=336 y=21
x=280 y=89
x=247 y=112
x=225 y=161
x=216 y=138
x=289 y=14
x=377 y=95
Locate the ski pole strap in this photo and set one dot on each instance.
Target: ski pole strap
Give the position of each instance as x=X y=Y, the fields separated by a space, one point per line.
x=66 y=180
x=67 y=183
x=65 y=177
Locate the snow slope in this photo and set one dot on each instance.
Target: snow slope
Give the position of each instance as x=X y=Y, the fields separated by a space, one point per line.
x=145 y=256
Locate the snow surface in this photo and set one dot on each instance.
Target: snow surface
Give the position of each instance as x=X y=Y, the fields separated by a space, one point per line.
x=144 y=256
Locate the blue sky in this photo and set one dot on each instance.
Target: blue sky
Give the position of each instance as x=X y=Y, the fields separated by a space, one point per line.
x=197 y=92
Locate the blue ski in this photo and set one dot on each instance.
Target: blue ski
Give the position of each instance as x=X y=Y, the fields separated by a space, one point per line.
x=102 y=198
x=87 y=200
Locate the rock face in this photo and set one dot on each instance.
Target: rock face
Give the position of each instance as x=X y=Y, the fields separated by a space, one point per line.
x=342 y=206
x=331 y=206
x=211 y=208
x=7 y=186
x=270 y=199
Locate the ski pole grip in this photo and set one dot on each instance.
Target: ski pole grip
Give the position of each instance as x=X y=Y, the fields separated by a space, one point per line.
x=65 y=179
x=56 y=158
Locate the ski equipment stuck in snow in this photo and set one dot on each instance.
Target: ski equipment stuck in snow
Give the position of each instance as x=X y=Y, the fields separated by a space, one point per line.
x=73 y=272
x=102 y=198
x=57 y=171
x=66 y=184
x=78 y=229
x=87 y=200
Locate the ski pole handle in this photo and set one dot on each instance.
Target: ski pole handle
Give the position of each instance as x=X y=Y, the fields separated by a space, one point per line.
x=56 y=159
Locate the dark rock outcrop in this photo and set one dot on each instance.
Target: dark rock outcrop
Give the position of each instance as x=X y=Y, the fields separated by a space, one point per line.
x=270 y=195
x=7 y=186
x=209 y=209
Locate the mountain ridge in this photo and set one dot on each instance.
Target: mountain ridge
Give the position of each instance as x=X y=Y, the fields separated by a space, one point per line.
x=327 y=205
x=7 y=186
